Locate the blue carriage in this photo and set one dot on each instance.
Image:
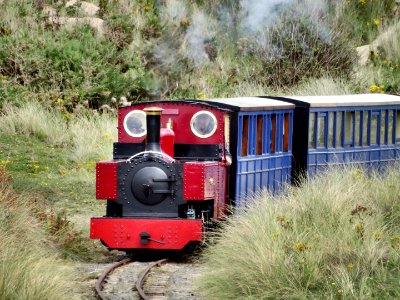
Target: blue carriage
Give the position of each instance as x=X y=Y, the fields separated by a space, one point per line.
x=260 y=140
x=362 y=129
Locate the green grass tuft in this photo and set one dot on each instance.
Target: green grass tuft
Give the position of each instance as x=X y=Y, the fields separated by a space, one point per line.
x=336 y=236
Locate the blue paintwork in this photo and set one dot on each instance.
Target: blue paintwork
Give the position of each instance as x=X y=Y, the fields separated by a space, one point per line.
x=375 y=154
x=267 y=170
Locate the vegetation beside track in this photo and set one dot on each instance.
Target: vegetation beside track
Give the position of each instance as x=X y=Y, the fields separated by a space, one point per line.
x=167 y=49
x=52 y=77
x=336 y=236
x=31 y=267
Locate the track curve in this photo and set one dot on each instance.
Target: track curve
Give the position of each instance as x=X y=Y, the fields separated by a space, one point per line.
x=103 y=276
x=143 y=275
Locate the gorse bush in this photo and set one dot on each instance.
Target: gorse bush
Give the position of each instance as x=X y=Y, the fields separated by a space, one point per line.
x=74 y=66
x=337 y=236
x=360 y=20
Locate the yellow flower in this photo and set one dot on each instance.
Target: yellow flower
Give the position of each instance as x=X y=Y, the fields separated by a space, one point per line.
x=300 y=246
x=59 y=101
x=375 y=89
x=376 y=22
x=201 y=96
x=359 y=228
x=362 y=2
x=377 y=234
x=357 y=174
x=67 y=116
x=4 y=163
x=350 y=266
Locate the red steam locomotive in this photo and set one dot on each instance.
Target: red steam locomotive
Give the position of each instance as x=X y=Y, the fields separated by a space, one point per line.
x=168 y=176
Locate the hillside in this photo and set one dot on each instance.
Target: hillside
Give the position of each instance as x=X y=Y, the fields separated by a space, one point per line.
x=66 y=65
x=86 y=53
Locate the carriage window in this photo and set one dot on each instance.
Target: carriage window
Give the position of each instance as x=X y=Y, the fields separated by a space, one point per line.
x=245 y=135
x=311 y=131
x=349 y=129
x=384 y=128
x=331 y=118
x=398 y=127
x=321 y=130
x=259 y=145
x=339 y=130
x=273 y=133
x=357 y=140
x=365 y=117
x=135 y=123
x=203 y=124
x=286 y=128
x=390 y=127
x=374 y=128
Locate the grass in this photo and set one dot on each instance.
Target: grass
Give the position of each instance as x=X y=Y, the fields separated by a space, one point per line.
x=335 y=237
x=28 y=270
x=88 y=136
x=54 y=158
x=51 y=79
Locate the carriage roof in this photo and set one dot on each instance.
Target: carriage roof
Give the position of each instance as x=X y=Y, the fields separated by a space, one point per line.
x=347 y=100
x=250 y=103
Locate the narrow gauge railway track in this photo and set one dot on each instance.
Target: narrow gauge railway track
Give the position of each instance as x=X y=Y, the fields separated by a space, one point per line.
x=99 y=283
x=155 y=290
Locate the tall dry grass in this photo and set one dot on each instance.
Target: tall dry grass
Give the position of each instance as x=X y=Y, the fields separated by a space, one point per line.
x=89 y=136
x=323 y=86
x=335 y=237
x=29 y=267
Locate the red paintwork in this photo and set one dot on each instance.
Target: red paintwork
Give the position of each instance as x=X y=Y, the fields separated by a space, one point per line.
x=199 y=180
x=167 y=141
x=220 y=209
x=180 y=114
x=204 y=181
x=106 y=180
x=123 y=233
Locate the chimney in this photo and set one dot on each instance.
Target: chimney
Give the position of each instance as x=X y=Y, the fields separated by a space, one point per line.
x=153 y=125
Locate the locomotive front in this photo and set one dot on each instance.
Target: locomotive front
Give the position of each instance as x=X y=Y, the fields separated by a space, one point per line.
x=149 y=199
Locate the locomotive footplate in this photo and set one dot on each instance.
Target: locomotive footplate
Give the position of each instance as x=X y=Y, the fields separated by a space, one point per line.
x=133 y=233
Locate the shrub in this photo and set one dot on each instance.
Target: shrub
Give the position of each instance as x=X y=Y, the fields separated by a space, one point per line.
x=76 y=64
